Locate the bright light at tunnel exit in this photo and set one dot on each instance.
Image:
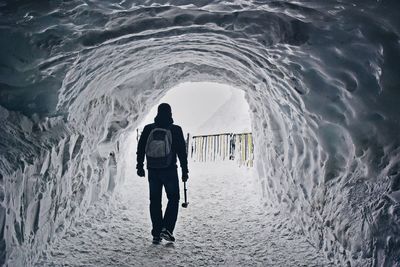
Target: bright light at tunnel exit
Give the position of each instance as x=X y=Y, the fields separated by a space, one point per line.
x=200 y=108
x=206 y=108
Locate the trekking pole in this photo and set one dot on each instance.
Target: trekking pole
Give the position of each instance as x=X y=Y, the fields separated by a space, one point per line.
x=186 y=203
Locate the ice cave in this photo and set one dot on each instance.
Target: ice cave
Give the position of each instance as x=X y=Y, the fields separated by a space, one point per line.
x=321 y=79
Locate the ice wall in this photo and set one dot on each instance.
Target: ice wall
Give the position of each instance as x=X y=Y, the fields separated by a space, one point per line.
x=320 y=78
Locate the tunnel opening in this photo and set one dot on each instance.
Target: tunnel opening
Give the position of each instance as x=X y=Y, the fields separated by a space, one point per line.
x=203 y=109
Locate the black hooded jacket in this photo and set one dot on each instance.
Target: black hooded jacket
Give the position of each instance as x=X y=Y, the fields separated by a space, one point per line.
x=178 y=142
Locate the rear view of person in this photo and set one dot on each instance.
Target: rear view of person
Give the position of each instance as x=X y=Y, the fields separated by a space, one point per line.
x=161 y=142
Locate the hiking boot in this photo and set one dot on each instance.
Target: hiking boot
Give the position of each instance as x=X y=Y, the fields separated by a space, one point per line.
x=166 y=235
x=156 y=240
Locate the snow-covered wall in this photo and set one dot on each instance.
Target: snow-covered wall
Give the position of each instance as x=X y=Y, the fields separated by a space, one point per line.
x=320 y=78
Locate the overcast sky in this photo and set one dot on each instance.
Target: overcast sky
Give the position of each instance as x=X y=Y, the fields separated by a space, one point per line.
x=193 y=103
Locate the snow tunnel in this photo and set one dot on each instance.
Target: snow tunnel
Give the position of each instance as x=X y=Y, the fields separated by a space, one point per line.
x=321 y=79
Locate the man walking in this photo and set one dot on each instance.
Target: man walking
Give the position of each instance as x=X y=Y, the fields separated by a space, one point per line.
x=161 y=142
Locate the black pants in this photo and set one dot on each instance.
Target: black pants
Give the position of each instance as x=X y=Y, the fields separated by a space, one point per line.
x=169 y=179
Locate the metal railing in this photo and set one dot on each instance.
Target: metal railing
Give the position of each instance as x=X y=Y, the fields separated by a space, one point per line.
x=224 y=146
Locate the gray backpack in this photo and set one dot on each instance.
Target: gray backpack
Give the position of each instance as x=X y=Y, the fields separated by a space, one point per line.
x=159 y=148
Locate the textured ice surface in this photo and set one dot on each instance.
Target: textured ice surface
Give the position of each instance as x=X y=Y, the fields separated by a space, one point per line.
x=224 y=225
x=321 y=79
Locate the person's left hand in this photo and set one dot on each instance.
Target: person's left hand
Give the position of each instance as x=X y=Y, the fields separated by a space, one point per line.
x=185 y=177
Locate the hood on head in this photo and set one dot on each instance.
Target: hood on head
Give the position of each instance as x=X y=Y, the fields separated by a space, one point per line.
x=164 y=115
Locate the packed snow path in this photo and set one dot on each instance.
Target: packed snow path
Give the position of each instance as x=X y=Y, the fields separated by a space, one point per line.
x=225 y=224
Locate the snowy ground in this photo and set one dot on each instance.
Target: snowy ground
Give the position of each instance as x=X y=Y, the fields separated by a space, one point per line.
x=225 y=224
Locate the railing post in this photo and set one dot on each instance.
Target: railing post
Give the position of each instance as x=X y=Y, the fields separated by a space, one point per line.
x=187 y=144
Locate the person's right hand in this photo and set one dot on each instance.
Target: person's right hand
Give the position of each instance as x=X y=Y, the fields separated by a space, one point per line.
x=140 y=172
